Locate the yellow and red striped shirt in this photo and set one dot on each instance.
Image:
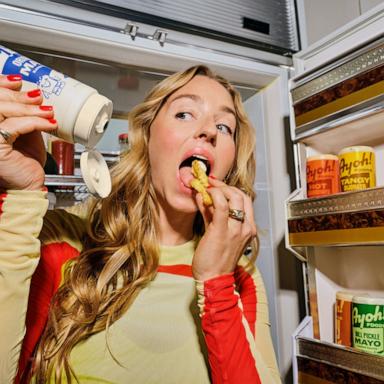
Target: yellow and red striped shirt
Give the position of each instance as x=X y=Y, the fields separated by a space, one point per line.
x=176 y=331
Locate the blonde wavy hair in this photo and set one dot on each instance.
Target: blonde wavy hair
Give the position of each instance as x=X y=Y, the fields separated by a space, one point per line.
x=121 y=252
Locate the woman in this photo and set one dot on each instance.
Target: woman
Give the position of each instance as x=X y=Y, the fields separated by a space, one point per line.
x=150 y=285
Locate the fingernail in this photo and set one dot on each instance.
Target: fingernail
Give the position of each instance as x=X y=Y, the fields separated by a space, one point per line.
x=34 y=93
x=52 y=121
x=14 y=77
x=209 y=186
x=213 y=177
x=46 y=107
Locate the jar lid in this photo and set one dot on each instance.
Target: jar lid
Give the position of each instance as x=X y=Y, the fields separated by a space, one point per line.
x=123 y=136
x=348 y=296
x=356 y=148
x=325 y=156
x=95 y=173
x=378 y=300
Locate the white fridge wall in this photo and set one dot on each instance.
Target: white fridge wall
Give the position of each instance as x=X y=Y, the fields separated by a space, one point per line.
x=343 y=40
x=284 y=272
x=266 y=110
x=266 y=258
x=334 y=15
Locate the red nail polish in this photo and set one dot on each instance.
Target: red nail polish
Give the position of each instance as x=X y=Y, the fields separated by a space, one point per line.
x=46 y=107
x=213 y=177
x=52 y=121
x=34 y=93
x=14 y=77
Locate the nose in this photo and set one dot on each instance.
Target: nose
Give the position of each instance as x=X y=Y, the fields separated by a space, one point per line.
x=208 y=132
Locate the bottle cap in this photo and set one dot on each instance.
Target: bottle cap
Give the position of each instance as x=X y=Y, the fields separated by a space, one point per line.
x=123 y=136
x=92 y=120
x=95 y=173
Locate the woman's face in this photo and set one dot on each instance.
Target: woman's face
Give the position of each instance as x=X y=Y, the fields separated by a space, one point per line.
x=197 y=120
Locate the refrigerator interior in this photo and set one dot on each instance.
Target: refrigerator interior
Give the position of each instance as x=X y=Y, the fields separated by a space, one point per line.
x=124 y=69
x=134 y=64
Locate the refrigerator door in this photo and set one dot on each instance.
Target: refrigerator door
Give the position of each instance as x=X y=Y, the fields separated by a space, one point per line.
x=337 y=101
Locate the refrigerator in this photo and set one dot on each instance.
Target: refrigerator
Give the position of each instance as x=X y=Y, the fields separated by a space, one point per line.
x=124 y=56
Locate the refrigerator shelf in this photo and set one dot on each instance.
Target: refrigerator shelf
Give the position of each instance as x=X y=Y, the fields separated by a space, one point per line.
x=342 y=237
x=342 y=93
x=351 y=218
x=356 y=201
x=63 y=180
x=67 y=190
x=369 y=57
x=331 y=363
x=346 y=127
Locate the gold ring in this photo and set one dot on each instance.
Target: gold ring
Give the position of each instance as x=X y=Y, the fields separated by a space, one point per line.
x=6 y=136
x=236 y=214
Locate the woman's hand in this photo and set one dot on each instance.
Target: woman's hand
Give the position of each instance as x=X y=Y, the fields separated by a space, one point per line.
x=225 y=238
x=22 y=156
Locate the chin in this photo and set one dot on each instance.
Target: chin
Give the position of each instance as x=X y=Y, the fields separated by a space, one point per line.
x=186 y=205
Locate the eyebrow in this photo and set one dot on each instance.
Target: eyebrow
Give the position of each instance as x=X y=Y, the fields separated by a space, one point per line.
x=199 y=100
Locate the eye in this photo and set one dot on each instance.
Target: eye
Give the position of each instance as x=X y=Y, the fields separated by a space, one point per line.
x=224 y=129
x=184 y=115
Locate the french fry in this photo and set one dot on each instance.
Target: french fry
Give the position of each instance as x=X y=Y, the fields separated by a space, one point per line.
x=200 y=182
x=199 y=172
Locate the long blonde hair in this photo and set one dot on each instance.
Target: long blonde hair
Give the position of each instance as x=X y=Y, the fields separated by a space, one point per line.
x=121 y=252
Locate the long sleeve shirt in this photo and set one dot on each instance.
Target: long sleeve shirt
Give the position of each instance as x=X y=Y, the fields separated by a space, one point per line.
x=177 y=330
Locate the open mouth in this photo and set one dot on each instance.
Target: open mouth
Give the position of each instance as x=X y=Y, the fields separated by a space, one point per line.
x=185 y=168
x=203 y=160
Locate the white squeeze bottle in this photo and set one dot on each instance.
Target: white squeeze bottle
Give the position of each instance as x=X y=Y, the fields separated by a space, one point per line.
x=82 y=114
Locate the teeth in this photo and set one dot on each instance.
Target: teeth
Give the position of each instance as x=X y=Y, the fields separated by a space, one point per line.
x=200 y=157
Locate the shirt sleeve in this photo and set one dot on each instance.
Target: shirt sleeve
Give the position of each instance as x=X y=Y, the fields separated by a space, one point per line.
x=235 y=322
x=21 y=220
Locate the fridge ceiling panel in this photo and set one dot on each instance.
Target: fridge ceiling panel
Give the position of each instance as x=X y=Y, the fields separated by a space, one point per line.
x=54 y=27
x=264 y=24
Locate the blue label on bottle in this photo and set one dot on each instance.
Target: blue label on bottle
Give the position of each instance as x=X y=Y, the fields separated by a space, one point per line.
x=49 y=81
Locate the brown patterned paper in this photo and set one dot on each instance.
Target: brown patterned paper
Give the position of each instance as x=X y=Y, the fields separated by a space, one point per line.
x=340 y=90
x=365 y=219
